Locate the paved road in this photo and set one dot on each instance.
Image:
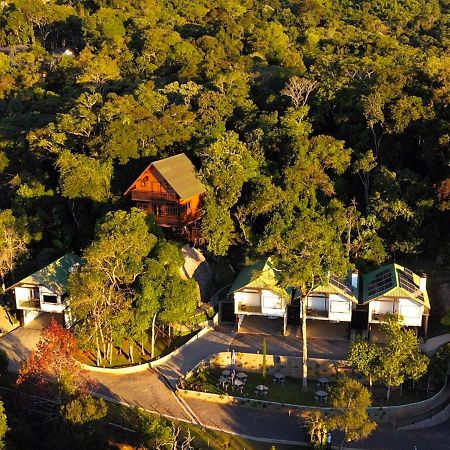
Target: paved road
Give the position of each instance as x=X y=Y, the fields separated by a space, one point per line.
x=431 y=346
x=18 y=344
x=149 y=391
x=217 y=342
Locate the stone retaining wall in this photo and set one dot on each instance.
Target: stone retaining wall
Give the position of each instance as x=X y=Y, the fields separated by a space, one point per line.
x=289 y=365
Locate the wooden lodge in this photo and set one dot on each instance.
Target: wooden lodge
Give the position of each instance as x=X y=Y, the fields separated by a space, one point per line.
x=170 y=190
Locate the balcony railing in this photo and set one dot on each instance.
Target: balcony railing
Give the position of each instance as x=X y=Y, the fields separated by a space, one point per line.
x=33 y=303
x=252 y=309
x=147 y=196
x=316 y=314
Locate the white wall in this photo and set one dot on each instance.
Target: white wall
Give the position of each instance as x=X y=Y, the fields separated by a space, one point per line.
x=249 y=298
x=53 y=307
x=340 y=308
x=29 y=316
x=411 y=312
x=383 y=306
x=22 y=295
x=272 y=304
x=318 y=302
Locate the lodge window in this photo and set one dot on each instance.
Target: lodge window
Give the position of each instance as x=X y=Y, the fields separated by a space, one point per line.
x=185 y=207
x=144 y=181
x=156 y=210
x=50 y=298
x=172 y=209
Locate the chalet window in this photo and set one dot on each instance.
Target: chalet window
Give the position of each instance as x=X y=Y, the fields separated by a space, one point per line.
x=50 y=298
x=144 y=181
x=156 y=210
x=34 y=293
x=172 y=209
x=185 y=207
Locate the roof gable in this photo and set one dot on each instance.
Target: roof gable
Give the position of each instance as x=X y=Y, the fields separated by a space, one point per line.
x=393 y=280
x=179 y=173
x=55 y=276
x=260 y=275
x=337 y=285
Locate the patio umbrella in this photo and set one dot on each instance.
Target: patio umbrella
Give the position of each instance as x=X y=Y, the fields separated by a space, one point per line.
x=233 y=364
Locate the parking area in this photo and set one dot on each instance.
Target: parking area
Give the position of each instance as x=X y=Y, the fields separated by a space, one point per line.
x=20 y=342
x=322 y=329
x=261 y=325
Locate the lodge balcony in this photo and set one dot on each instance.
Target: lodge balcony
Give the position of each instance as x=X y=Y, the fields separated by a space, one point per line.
x=243 y=308
x=154 y=197
x=176 y=220
x=32 y=303
x=316 y=314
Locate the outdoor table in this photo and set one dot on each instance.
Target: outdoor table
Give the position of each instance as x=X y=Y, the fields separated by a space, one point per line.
x=241 y=375
x=261 y=389
x=280 y=377
x=226 y=373
x=323 y=381
x=321 y=395
x=238 y=383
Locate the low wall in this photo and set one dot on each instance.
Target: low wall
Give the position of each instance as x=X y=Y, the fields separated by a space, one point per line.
x=144 y=366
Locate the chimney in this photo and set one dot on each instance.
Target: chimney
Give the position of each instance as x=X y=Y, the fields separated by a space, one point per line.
x=423 y=282
x=355 y=279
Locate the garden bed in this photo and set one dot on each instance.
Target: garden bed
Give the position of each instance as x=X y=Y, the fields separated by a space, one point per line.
x=121 y=355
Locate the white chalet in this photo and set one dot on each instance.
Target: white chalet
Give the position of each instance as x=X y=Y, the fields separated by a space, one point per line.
x=394 y=289
x=333 y=301
x=256 y=292
x=45 y=290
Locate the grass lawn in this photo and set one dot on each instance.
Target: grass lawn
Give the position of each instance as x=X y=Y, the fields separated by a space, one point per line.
x=121 y=354
x=290 y=392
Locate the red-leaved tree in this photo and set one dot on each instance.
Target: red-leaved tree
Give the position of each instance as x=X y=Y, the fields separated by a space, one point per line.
x=53 y=366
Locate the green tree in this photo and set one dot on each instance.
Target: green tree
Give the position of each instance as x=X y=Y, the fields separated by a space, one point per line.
x=365 y=357
x=350 y=400
x=84 y=177
x=226 y=165
x=316 y=424
x=84 y=410
x=13 y=243
x=401 y=358
x=100 y=290
x=3 y=425
x=307 y=249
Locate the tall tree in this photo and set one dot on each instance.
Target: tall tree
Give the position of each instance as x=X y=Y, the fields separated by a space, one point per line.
x=350 y=400
x=365 y=357
x=13 y=243
x=401 y=358
x=100 y=291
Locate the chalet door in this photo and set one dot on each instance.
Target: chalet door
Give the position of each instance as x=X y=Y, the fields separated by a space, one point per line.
x=156 y=209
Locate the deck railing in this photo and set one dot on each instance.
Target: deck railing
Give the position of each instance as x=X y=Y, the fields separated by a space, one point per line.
x=147 y=196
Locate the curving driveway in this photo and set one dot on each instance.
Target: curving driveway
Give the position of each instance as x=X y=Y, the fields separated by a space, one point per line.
x=150 y=391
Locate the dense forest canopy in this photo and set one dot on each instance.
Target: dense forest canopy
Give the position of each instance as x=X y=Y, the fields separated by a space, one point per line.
x=330 y=116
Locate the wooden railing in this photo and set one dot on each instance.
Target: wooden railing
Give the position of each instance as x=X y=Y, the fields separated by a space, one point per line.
x=185 y=218
x=244 y=308
x=147 y=196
